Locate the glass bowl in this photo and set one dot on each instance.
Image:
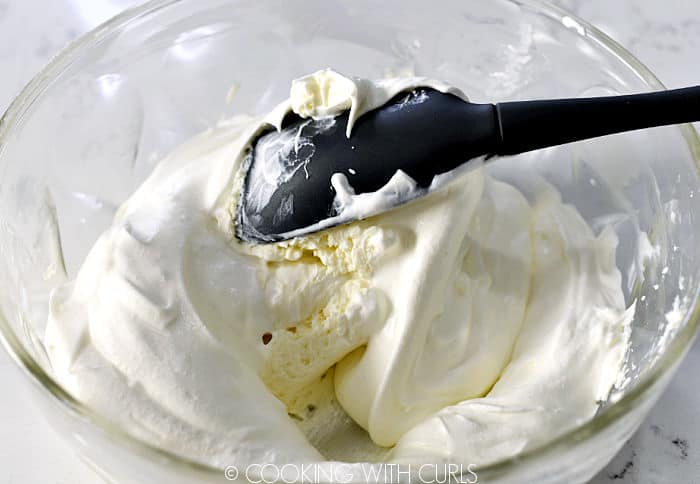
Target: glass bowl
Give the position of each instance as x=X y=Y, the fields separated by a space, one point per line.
x=90 y=127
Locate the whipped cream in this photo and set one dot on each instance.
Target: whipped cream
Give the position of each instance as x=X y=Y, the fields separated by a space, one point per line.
x=466 y=326
x=327 y=93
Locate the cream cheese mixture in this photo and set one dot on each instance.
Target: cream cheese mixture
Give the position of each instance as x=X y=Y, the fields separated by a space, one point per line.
x=466 y=326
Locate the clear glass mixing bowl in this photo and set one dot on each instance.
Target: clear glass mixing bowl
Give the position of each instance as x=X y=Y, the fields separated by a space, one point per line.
x=89 y=128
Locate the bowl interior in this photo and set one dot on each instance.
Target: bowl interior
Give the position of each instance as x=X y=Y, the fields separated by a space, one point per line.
x=93 y=129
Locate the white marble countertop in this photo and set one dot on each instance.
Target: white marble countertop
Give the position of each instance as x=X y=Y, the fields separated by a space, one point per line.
x=663 y=34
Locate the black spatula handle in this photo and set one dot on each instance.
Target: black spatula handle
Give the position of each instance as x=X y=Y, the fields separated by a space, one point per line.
x=529 y=125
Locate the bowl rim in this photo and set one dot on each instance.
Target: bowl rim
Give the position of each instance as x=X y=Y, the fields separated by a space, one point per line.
x=663 y=366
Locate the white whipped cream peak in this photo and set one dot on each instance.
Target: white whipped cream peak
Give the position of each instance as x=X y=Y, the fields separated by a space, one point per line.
x=322 y=94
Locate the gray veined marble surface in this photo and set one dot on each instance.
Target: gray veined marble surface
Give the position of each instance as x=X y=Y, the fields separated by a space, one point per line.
x=664 y=34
